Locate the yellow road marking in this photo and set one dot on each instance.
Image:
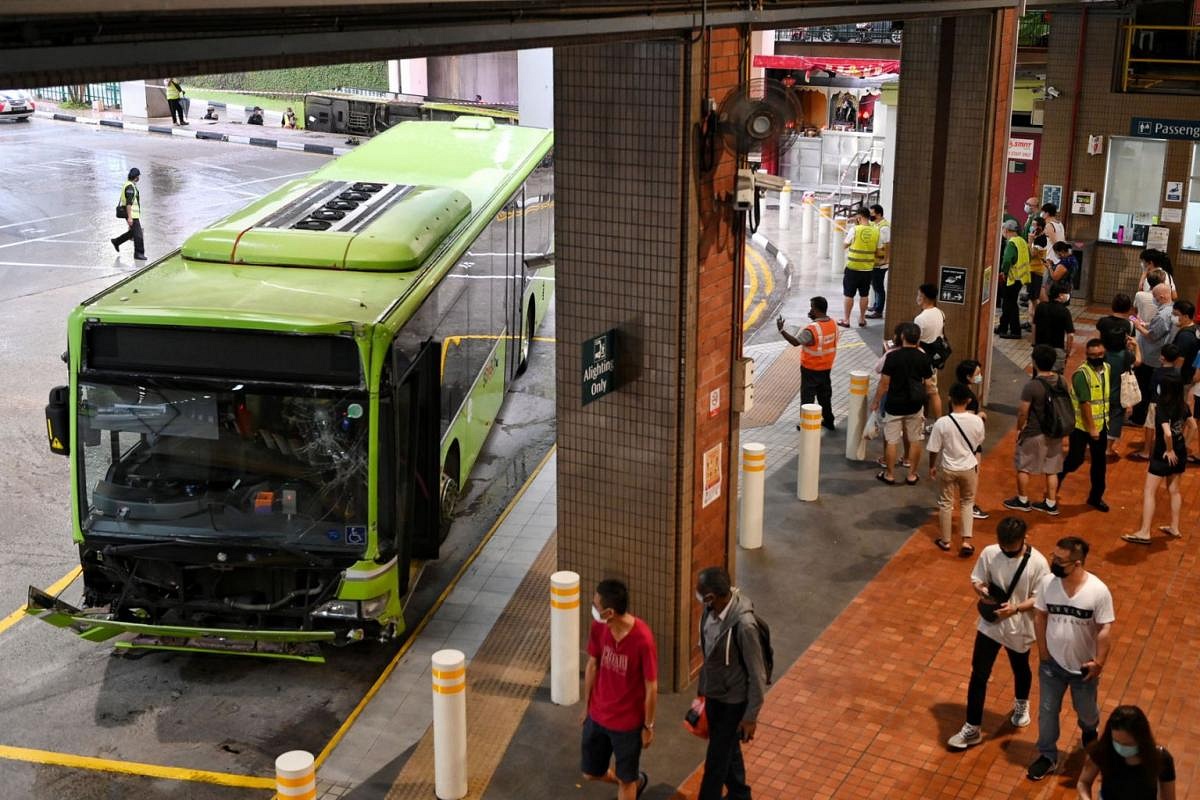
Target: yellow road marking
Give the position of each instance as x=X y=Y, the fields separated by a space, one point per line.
x=759 y=308
x=416 y=632
x=752 y=292
x=768 y=274
x=54 y=588
x=134 y=768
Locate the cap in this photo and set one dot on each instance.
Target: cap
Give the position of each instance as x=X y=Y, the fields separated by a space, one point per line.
x=133 y=173
x=1011 y=225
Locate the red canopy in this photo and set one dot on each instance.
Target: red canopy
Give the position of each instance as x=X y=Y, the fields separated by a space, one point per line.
x=846 y=67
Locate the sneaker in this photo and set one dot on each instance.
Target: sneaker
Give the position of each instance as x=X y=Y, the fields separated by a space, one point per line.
x=1041 y=768
x=1099 y=505
x=1016 y=504
x=979 y=513
x=1020 y=713
x=969 y=736
x=1045 y=508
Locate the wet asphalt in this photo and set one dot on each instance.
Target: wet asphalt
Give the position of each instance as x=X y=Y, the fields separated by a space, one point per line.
x=60 y=184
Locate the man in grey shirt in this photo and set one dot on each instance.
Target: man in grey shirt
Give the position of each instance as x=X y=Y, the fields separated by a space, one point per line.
x=1152 y=334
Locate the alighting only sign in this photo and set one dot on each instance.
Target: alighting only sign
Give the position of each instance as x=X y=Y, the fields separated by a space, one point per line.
x=599 y=366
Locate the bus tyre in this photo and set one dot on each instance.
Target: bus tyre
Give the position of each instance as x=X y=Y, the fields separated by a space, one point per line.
x=526 y=341
x=449 y=498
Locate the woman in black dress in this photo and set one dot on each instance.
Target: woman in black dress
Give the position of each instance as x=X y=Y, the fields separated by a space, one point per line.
x=1128 y=762
x=1173 y=421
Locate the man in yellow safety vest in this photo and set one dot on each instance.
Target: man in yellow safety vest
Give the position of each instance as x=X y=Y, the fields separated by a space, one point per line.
x=1014 y=271
x=818 y=347
x=129 y=208
x=175 y=95
x=1090 y=387
x=862 y=240
x=882 y=261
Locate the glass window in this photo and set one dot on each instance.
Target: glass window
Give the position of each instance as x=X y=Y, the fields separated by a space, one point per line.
x=1132 y=189
x=1191 y=219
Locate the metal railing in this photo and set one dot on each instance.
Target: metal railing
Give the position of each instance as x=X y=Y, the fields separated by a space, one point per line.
x=1033 y=29
x=107 y=93
x=1144 y=37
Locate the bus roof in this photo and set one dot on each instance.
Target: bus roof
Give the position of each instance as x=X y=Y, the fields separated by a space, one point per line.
x=261 y=267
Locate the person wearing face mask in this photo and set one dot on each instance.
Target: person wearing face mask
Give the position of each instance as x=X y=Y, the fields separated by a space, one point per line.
x=1053 y=325
x=620 y=692
x=1152 y=333
x=1011 y=562
x=1054 y=228
x=1031 y=213
x=1187 y=339
x=1037 y=453
x=882 y=262
x=1090 y=389
x=733 y=681
x=1128 y=762
x=1073 y=617
x=1014 y=267
x=969 y=375
x=818 y=348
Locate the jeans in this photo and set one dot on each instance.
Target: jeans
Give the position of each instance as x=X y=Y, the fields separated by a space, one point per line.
x=134 y=233
x=1010 y=314
x=879 y=287
x=1080 y=443
x=1053 y=682
x=983 y=657
x=815 y=386
x=723 y=764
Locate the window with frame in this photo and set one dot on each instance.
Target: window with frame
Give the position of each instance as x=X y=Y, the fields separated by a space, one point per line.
x=1191 y=218
x=1132 y=189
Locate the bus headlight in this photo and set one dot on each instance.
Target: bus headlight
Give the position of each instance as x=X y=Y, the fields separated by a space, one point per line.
x=374 y=608
x=354 y=609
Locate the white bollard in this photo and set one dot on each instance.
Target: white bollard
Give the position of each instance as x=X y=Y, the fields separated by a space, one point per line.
x=449 y=669
x=564 y=638
x=824 y=228
x=296 y=776
x=754 y=473
x=837 y=252
x=809 y=460
x=808 y=218
x=856 y=419
x=785 y=205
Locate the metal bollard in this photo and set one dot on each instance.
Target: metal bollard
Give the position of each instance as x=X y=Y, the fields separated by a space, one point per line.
x=296 y=776
x=564 y=638
x=856 y=419
x=808 y=218
x=449 y=669
x=824 y=229
x=754 y=473
x=837 y=253
x=785 y=205
x=809 y=460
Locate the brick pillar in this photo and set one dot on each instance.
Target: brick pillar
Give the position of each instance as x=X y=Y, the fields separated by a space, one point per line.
x=951 y=145
x=644 y=246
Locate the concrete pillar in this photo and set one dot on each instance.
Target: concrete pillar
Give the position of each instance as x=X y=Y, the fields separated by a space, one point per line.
x=535 y=87
x=412 y=76
x=144 y=99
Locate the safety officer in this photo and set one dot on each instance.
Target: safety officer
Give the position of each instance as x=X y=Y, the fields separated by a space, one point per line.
x=1090 y=386
x=882 y=261
x=818 y=347
x=175 y=101
x=1014 y=266
x=862 y=240
x=129 y=208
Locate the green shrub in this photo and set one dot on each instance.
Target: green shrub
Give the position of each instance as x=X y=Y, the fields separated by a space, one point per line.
x=283 y=83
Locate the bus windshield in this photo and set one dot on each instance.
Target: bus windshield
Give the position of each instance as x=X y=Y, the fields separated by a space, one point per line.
x=166 y=460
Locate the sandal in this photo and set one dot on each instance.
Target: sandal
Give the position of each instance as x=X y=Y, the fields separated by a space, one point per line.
x=1169 y=531
x=1138 y=456
x=1129 y=537
x=843 y=324
x=643 y=782
x=943 y=546
x=912 y=480
x=904 y=462
x=862 y=323
x=966 y=551
x=882 y=477
x=1193 y=459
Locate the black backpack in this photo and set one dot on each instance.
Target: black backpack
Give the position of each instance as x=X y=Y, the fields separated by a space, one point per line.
x=764 y=644
x=1058 y=411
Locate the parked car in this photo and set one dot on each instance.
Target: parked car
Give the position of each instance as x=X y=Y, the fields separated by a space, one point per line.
x=861 y=32
x=16 y=105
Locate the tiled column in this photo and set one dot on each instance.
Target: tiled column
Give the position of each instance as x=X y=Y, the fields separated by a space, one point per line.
x=951 y=144
x=644 y=246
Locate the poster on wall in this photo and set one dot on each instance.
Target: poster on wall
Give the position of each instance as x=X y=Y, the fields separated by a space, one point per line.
x=952 y=285
x=1052 y=194
x=1095 y=145
x=1174 y=191
x=712 y=475
x=1172 y=214
x=1156 y=239
x=1021 y=149
x=986 y=291
x=1083 y=203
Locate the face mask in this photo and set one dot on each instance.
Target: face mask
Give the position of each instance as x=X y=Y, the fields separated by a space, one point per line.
x=1125 y=750
x=1175 y=320
x=1097 y=363
x=1019 y=552
x=920 y=297
x=1028 y=208
x=976 y=379
x=1058 y=570
x=596 y=614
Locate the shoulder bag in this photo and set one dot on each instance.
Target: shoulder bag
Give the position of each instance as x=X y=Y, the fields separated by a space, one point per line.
x=987 y=609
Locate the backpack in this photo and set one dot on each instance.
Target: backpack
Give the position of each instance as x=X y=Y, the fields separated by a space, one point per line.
x=764 y=644
x=1058 y=411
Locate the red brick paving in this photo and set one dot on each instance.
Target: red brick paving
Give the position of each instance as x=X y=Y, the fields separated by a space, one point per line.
x=866 y=710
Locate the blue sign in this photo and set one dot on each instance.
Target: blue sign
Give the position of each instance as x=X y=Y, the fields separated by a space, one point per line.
x=1146 y=127
x=356 y=534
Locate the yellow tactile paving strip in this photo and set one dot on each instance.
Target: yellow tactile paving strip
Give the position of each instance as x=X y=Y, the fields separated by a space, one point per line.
x=774 y=390
x=501 y=681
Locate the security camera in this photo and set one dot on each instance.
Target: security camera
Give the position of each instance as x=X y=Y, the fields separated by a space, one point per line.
x=1053 y=93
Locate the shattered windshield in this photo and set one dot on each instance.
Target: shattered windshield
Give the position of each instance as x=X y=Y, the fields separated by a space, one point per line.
x=169 y=460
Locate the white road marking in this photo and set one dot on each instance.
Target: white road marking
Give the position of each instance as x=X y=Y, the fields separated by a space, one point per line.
x=47 y=237
x=269 y=178
x=41 y=219
x=55 y=266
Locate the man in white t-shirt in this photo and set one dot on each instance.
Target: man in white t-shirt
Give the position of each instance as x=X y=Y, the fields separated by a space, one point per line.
x=953 y=444
x=1011 y=626
x=932 y=322
x=1073 y=623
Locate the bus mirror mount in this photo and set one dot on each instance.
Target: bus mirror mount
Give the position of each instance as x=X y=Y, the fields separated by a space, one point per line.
x=58 y=420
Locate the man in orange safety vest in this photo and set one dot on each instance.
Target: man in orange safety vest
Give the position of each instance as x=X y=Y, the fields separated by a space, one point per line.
x=818 y=347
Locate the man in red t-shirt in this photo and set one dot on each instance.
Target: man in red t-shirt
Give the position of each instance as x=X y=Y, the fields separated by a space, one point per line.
x=620 y=692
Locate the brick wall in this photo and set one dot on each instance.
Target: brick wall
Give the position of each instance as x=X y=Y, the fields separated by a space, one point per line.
x=1103 y=111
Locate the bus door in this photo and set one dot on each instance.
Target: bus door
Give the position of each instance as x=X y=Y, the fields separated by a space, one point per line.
x=515 y=282
x=418 y=443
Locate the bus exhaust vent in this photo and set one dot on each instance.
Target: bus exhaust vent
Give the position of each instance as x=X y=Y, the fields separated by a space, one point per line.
x=337 y=206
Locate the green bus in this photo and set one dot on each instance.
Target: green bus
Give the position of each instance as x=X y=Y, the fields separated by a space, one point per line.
x=268 y=428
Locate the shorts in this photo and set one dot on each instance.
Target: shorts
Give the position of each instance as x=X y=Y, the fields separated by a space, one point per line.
x=856 y=280
x=599 y=745
x=1039 y=455
x=1035 y=286
x=910 y=425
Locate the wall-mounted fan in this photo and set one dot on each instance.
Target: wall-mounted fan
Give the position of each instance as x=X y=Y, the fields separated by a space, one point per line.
x=759 y=114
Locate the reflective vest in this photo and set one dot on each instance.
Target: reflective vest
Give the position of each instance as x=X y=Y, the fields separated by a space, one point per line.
x=137 y=199
x=861 y=256
x=1019 y=271
x=173 y=90
x=881 y=257
x=819 y=355
x=1098 y=390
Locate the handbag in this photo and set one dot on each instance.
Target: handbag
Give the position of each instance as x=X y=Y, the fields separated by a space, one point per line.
x=939 y=350
x=987 y=609
x=121 y=212
x=1131 y=393
x=696 y=720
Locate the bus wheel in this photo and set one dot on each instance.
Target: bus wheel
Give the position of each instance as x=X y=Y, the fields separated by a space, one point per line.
x=449 y=494
x=526 y=341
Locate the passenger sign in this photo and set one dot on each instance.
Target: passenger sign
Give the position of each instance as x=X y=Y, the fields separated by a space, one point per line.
x=599 y=366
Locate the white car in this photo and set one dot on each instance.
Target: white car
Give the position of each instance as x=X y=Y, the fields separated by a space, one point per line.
x=15 y=104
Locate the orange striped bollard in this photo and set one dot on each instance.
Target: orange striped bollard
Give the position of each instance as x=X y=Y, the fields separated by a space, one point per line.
x=296 y=776
x=809 y=459
x=564 y=638
x=754 y=473
x=856 y=419
x=449 y=668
